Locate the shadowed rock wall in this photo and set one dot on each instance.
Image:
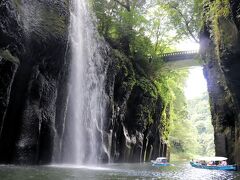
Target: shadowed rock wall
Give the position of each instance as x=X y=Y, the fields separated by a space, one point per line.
x=220 y=49
x=33 y=72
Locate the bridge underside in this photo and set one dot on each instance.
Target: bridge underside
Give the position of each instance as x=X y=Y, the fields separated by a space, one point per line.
x=182 y=59
x=183 y=63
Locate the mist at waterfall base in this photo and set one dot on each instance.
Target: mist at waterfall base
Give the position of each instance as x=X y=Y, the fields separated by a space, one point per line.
x=180 y=171
x=83 y=137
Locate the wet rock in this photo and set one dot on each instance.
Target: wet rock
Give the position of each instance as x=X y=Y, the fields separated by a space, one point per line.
x=35 y=33
x=8 y=70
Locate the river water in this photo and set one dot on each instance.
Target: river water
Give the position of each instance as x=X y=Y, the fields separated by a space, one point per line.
x=180 y=171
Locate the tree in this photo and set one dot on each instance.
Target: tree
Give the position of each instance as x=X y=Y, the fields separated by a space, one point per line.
x=185 y=16
x=199 y=114
x=123 y=17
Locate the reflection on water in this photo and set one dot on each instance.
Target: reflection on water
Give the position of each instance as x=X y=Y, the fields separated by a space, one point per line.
x=181 y=171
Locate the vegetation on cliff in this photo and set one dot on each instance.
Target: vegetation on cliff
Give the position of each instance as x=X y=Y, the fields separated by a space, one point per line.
x=215 y=15
x=142 y=31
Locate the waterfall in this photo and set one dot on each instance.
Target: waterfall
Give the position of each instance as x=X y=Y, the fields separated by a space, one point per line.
x=83 y=138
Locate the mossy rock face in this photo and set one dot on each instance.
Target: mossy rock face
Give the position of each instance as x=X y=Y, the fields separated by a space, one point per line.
x=135 y=112
x=122 y=63
x=148 y=87
x=55 y=20
x=44 y=18
x=229 y=34
x=128 y=77
x=124 y=75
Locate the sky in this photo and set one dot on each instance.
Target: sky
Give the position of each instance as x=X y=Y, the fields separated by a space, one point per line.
x=196 y=83
x=187 y=45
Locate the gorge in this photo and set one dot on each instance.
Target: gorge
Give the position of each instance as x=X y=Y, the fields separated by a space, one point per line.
x=37 y=101
x=69 y=94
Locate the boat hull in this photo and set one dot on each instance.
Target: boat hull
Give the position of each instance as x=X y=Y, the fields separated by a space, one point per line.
x=155 y=164
x=225 y=168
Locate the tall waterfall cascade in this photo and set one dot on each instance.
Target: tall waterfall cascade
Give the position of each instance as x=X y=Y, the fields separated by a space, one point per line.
x=83 y=140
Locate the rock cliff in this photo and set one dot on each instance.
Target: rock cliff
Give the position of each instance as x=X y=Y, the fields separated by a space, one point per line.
x=135 y=124
x=220 y=49
x=33 y=72
x=34 y=68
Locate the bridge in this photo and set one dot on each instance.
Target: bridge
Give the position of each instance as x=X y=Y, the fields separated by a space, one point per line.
x=182 y=59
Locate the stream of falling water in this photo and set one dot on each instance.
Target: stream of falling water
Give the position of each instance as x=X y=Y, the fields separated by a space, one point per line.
x=84 y=142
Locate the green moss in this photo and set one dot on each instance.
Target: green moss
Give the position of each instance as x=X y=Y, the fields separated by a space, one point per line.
x=7 y=55
x=165 y=122
x=148 y=86
x=218 y=10
x=131 y=79
x=121 y=60
x=53 y=21
x=123 y=64
x=146 y=110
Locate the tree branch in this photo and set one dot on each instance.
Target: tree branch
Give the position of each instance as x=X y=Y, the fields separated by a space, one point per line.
x=186 y=24
x=123 y=5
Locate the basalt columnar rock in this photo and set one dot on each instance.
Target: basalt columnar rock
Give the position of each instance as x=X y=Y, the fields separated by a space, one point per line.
x=135 y=124
x=33 y=71
x=34 y=68
x=220 y=49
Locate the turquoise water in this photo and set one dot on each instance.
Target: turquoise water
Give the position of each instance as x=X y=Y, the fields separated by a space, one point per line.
x=181 y=171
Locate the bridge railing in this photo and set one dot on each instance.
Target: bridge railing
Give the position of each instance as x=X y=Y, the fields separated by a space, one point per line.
x=180 y=53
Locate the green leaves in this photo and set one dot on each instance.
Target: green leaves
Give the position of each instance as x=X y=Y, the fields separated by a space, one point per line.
x=185 y=15
x=143 y=31
x=217 y=11
x=199 y=114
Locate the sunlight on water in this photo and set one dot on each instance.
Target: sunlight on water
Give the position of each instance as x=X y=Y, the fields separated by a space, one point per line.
x=70 y=166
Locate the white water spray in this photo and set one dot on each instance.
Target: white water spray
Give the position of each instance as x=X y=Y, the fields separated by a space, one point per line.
x=84 y=142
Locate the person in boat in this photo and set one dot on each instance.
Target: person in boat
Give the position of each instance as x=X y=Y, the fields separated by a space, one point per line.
x=220 y=164
x=211 y=163
x=223 y=163
x=164 y=161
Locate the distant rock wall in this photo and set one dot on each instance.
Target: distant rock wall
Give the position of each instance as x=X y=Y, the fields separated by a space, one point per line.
x=220 y=49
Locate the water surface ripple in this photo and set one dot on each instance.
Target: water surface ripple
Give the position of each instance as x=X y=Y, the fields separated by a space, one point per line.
x=181 y=171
